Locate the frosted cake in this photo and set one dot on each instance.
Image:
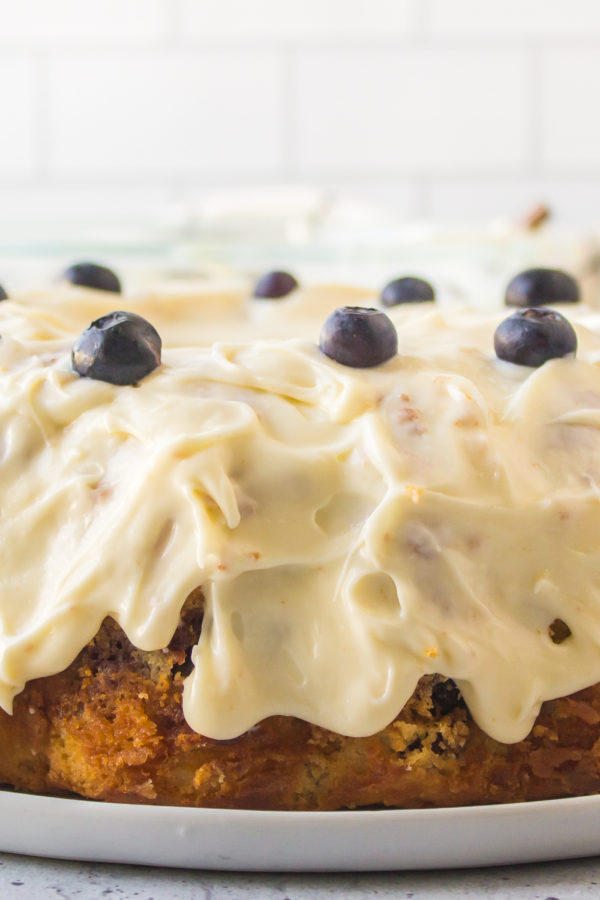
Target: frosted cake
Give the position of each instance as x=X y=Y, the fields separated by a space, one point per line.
x=309 y=548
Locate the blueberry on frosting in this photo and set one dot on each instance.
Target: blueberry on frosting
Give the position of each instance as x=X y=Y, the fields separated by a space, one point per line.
x=358 y=337
x=121 y=348
x=91 y=275
x=540 y=287
x=3 y=294
x=407 y=290
x=532 y=336
x=274 y=286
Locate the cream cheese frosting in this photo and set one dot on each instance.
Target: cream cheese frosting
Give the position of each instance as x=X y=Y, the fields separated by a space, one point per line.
x=352 y=530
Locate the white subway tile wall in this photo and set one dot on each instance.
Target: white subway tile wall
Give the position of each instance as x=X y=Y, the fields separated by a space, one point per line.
x=570 y=128
x=514 y=18
x=60 y=21
x=17 y=113
x=410 y=111
x=457 y=110
x=157 y=114
x=296 y=19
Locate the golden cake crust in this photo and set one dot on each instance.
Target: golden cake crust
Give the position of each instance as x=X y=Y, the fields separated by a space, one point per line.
x=111 y=727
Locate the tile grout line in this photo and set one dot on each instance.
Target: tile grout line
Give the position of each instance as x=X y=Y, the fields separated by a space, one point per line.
x=418 y=37
x=172 y=24
x=421 y=16
x=288 y=109
x=422 y=197
x=42 y=127
x=218 y=177
x=533 y=127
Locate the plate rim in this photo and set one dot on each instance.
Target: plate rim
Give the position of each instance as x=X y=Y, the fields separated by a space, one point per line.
x=285 y=840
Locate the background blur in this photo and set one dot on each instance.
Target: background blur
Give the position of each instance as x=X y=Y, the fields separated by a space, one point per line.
x=443 y=110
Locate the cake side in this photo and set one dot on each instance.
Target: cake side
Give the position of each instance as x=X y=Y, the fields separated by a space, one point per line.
x=111 y=727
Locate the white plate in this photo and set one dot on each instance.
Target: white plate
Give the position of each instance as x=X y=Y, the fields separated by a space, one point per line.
x=288 y=841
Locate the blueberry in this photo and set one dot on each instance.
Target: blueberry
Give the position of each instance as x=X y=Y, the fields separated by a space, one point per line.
x=358 y=337
x=407 y=290
x=445 y=698
x=3 y=294
x=120 y=348
x=531 y=336
x=539 y=287
x=274 y=285
x=91 y=275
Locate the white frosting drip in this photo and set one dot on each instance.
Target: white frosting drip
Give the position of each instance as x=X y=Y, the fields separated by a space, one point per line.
x=352 y=530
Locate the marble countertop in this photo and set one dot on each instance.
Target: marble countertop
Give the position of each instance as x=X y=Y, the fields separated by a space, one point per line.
x=31 y=878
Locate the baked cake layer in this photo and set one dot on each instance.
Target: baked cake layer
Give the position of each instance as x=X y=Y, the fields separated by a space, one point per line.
x=111 y=727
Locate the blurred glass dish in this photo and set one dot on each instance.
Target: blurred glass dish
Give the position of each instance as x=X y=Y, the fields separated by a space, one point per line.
x=318 y=235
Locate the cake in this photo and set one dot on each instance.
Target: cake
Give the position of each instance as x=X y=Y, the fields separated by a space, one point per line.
x=260 y=572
